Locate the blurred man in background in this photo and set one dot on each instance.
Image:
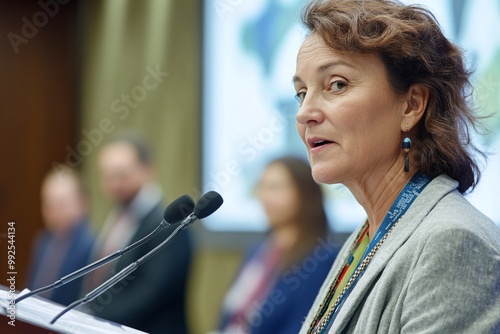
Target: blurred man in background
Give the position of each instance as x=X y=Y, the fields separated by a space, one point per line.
x=152 y=298
x=66 y=243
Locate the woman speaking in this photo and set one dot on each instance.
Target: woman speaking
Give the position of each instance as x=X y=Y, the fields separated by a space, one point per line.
x=385 y=111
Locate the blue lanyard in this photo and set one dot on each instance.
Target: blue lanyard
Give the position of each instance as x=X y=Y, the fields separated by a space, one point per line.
x=405 y=198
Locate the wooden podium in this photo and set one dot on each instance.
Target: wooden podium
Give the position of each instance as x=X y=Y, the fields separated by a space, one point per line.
x=34 y=314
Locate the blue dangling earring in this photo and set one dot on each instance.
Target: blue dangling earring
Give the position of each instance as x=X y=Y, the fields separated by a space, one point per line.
x=406 y=147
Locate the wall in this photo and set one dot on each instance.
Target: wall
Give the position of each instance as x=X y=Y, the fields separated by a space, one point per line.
x=38 y=114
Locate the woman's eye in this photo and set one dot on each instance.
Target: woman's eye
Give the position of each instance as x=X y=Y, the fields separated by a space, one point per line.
x=338 y=86
x=300 y=96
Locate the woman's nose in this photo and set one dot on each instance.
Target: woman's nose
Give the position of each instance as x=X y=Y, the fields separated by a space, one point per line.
x=310 y=111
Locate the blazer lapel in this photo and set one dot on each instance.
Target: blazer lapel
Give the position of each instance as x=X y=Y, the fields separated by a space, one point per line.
x=423 y=204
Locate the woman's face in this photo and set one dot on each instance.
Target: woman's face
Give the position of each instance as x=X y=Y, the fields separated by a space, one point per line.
x=279 y=196
x=349 y=118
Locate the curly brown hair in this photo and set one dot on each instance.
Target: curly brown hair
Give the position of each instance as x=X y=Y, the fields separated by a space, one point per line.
x=414 y=50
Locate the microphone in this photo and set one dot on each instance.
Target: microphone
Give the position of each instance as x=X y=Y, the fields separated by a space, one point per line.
x=174 y=212
x=205 y=206
x=208 y=204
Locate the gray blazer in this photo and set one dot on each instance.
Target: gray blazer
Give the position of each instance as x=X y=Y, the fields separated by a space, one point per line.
x=437 y=272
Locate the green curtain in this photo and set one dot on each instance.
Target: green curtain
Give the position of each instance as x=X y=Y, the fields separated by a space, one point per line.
x=141 y=72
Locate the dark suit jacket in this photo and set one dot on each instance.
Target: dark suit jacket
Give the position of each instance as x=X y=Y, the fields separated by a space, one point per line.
x=152 y=298
x=78 y=253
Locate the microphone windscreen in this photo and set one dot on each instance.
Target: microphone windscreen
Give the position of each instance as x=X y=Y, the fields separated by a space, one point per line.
x=179 y=209
x=207 y=204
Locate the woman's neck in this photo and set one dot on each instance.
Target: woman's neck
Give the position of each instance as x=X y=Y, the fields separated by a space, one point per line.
x=377 y=194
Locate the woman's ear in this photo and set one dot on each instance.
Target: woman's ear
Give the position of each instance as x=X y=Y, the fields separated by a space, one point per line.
x=417 y=99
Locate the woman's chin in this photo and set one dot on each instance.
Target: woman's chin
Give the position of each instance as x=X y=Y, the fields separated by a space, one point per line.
x=324 y=175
